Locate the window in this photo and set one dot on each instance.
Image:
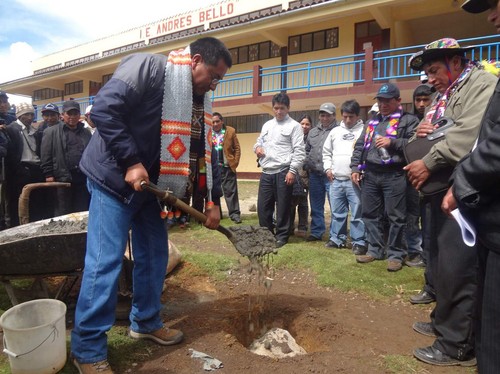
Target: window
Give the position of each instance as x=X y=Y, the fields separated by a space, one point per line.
x=46 y=94
x=366 y=29
x=313 y=41
x=106 y=78
x=73 y=88
x=254 y=52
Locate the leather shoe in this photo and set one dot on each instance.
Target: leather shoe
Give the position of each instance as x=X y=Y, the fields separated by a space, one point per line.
x=236 y=220
x=332 y=244
x=423 y=297
x=359 y=250
x=433 y=356
x=415 y=261
x=280 y=243
x=425 y=328
x=311 y=238
x=364 y=259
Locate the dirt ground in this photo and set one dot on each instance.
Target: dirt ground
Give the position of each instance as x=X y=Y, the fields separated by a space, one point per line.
x=341 y=332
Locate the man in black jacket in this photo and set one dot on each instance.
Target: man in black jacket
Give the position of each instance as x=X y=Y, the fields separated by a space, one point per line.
x=378 y=154
x=475 y=191
x=61 y=152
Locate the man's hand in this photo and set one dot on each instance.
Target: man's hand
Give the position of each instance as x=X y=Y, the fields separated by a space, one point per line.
x=213 y=217
x=329 y=175
x=382 y=142
x=418 y=173
x=290 y=178
x=259 y=151
x=425 y=128
x=135 y=175
x=356 y=178
x=449 y=203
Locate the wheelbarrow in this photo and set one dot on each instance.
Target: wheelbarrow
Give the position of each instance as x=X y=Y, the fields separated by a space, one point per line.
x=249 y=241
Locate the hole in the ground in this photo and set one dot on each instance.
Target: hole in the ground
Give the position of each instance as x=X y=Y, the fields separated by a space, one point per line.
x=284 y=312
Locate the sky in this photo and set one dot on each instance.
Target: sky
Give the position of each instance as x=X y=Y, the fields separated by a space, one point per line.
x=33 y=28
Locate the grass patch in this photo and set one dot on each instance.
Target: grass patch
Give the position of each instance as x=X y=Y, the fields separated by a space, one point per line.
x=338 y=269
x=401 y=364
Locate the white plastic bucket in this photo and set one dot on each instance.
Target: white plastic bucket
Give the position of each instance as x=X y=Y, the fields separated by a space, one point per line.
x=35 y=336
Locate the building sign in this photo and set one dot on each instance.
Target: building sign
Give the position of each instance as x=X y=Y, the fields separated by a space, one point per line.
x=192 y=19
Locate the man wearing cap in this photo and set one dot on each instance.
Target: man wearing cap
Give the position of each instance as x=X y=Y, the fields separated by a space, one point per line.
x=5 y=117
x=463 y=91
x=50 y=115
x=319 y=185
x=475 y=191
x=62 y=148
x=378 y=157
x=23 y=165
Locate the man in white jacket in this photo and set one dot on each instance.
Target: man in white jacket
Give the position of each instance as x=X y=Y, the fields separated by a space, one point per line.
x=337 y=152
x=281 y=152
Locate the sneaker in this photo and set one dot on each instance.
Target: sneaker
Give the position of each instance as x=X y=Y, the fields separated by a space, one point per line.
x=393 y=265
x=364 y=259
x=332 y=244
x=162 y=336
x=311 y=238
x=101 y=367
x=415 y=261
x=359 y=250
x=236 y=220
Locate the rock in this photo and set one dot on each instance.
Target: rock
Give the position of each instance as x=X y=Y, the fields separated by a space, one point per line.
x=253 y=208
x=277 y=343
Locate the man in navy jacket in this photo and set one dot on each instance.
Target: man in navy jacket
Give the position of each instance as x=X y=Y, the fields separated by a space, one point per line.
x=124 y=151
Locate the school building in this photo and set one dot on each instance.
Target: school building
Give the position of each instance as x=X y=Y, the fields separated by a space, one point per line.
x=315 y=50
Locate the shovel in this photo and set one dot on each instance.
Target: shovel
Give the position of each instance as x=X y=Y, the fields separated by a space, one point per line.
x=249 y=241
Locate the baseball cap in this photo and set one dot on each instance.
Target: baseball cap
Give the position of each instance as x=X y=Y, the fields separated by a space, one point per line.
x=50 y=107
x=327 y=107
x=388 y=91
x=70 y=105
x=4 y=94
x=476 y=6
x=374 y=108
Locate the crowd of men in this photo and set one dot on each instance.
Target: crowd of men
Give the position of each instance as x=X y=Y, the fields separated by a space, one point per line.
x=44 y=152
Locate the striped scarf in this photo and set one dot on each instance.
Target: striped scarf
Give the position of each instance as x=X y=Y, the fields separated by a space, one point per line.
x=176 y=126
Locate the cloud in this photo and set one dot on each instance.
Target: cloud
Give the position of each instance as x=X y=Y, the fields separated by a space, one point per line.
x=47 y=26
x=16 y=61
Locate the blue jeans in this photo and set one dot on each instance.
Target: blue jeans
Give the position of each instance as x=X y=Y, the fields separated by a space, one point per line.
x=319 y=187
x=384 y=191
x=108 y=228
x=343 y=195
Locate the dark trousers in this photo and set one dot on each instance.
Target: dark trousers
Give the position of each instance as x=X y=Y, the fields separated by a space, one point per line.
x=384 y=191
x=300 y=204
x=230 y=190
x=75 y=198
x=426 y=240
x=488 y=302
x=454 y=271
x=275 y=193
x=40 y=205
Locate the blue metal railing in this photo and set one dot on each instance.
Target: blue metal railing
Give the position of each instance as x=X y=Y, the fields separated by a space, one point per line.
x=331 y=72
x=306 y=76
x=393 y=63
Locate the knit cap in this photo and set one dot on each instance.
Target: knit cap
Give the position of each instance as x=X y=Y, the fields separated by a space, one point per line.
x=24 y=108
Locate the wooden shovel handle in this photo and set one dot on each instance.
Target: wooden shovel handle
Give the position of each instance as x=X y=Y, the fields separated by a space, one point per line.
x=173 y=200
